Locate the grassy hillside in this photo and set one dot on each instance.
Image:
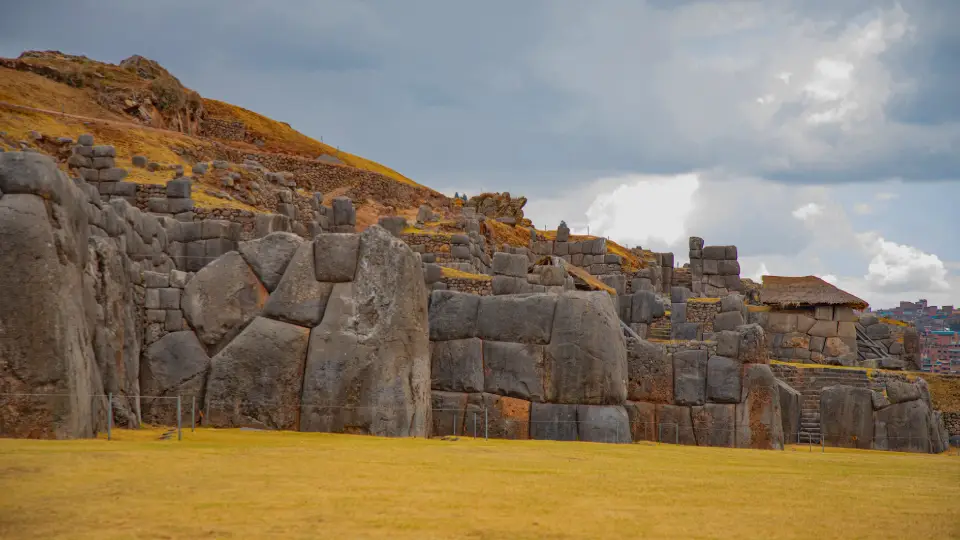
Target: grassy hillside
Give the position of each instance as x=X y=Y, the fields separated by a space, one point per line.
x=249 y=484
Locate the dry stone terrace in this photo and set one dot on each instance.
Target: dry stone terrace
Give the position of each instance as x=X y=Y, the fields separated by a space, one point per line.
x=294 y=320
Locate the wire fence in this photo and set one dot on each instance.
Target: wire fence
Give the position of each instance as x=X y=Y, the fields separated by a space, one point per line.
x=56 y=415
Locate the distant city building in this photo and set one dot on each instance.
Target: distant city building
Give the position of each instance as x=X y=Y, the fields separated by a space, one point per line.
x=940 y=352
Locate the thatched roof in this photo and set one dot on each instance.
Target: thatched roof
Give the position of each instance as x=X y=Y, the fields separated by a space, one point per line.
x=792 y=292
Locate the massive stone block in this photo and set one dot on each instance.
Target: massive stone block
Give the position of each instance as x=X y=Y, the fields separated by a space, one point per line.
x=506 y=417
x=553 y=422
x=457 y=365
x=586 y=360
x=690 y=377
x=907 y=426
x=643 y=420
x=448 y=413
x=753 y=344
x=269 y=256
x=522 y=319
x=221 y=298
x=299 y=298
x=790 y=408
x=453 y=315
x=846 y=416
x=646 y=307
x=510 y=264
x=513 y=369
x=729 y=320
x=370 y=355
x=45 y=313
x=255 y=380
x=901 y=391
x=675 y=425
x=600 y=423
x=176 y=364
x=759 y=422
x=723 y=380
x=649 y=372
x=714 y=424
x=335 y=256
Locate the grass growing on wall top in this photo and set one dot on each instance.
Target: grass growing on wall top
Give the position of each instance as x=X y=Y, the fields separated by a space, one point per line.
x=243 y=484
x=460 y=274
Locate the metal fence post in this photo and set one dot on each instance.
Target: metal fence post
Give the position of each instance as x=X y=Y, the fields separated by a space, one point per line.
x=193 y=414
x=676 y=432
x=179 y=432
x=474 y=424
x=454 y=426
x=486 y=425
x=110 y=416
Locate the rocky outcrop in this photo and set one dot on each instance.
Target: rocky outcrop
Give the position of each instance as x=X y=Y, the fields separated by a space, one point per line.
x=176 y=364
x=759 y=422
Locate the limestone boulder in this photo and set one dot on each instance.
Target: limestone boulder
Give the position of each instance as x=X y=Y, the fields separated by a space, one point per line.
x=646 y=307
x=586 y=360
x=675 y=425
x=714 y=424
x=649 y=372
x=176 y=364
x=643 y=420
x=457 y=365
x=506 y=417
x=269 y=256
x=901 y=391
x=513 y=369
x=448 y=413
x=753 y=344
x=846 y=416
x=553 y=422
x=790 y=407
x=728 y=320
x=453 y=315
x=221 y=298
x=255 y=380
x=518 y=318
x=45 y=341
x=370 y=355
x=690 y=377
x=603 y=423
x=299 y=298
x=723 y=380
x=907 y=426
x=759 y=422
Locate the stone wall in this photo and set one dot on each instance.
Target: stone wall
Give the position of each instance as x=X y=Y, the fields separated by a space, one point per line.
x=821 y=335
x=694 y=318
x=590 y=255
x=230 y=130
x=714 y=270
x=952 y=422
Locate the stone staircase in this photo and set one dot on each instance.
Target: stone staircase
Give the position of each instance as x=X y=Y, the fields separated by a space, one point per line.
x=810 y=382
x=809 y=427
x=661 y=333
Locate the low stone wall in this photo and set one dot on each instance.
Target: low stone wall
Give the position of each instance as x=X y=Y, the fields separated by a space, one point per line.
x=223 y=129
x=952 y=421
x=821 y=335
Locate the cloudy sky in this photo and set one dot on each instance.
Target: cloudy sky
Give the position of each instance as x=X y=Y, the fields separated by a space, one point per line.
x=821 y=137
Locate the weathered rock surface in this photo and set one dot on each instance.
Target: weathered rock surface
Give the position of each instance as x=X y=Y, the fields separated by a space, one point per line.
x=255 y=380
x=453 y=315
x=714 y=424
x=690 y=377
x=506 y=417
x=269 y=256
x=513 y=369
x=790 y=408
x=553 y=422
x=370 y=355
x=299 y=298
x=176 y=364
x=606 y=424
x=643 y=420
x=907 y=426
x=675 y=425
x=448 y=411
x=723 y=380
x=521 y=318
x=586 y=360
x=759 y=422
x=650 y=372
x=221 y=298
x=846 y=416
x=457 y=365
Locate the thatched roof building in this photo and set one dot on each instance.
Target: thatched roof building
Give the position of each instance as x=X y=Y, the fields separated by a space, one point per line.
x=807 y=291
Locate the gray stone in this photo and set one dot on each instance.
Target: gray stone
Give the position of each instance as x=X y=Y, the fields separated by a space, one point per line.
x=460 y=252
x=176 y=206
x=759 y=423
x=394 y=224
x=553 y=422
x=336 y=256
x=686 y=331
x=868 y=319
x=690 y=377
x=907 y=426
x=643 y=420
x=723 y=380
x=649 y=372
x=846 y=416
x=343 y=212
x=606 y=424
x=173 y=320
x=877 y=331
x=299 y=298
x=457 y=365
x=432 y=273
x=510 y=265
x=714 y=424
x=522 y=319
x=717 y=253
x=370 y=356
x=679 y=294
x=175 y=364
x=753 y=344
x=199 y=169
x=156 y=315
x=270 y=255
x=586 y=360
x=728 y=343
x=790 y=408
x=729 y=268
x=733 y=302
x=222 y=297
x=646 y=307
x=255 y=380
x=104 y=151
x=453 y=315
x=448 y=412
x=169 y=298
x=729 y=320
x=513 y=369
x=900 y=391
x=678 y=313
x=675 y=425
x=155 y=280
x=85 y=140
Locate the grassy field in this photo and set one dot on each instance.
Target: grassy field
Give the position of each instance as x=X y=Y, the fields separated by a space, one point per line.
x=242 y=484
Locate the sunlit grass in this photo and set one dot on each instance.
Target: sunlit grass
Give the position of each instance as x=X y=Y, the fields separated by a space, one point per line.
x=236 y=484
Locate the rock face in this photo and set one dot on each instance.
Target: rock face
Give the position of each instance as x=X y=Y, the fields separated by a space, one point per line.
x=758 y=413
x=650 y=372
x=846 y=416
x=299 y=298
x=368 y=367
x=586 y=358
x=255 y=380
x=908 y=426
x=221 y=298
x=45 y=343
x=176 y=364
x=269 y=256
x=790 y=408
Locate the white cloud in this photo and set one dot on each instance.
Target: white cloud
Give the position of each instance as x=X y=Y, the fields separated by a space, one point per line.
x=829 y=278
x=761 y=271
x=885 y=196
x=863 y=208
x=899 y=267
x=807 y=211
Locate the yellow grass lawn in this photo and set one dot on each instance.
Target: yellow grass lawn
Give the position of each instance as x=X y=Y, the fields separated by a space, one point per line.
x=236 y=484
